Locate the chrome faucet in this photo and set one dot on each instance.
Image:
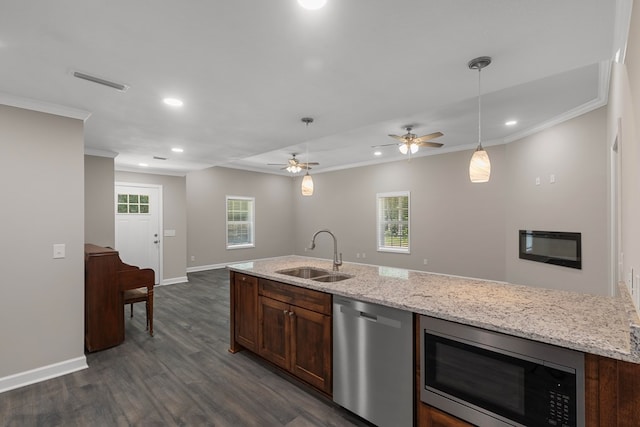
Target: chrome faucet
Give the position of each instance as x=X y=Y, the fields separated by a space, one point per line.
x=337 y=261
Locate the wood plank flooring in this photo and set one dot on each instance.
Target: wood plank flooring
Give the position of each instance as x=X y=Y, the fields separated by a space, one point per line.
x=183 y=376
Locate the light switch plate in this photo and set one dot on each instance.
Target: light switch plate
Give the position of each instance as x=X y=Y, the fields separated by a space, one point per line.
x=169 y=233
x=59 y=250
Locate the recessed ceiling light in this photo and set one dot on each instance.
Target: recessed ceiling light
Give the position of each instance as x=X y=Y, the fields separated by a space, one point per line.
x=377 y=153
x=144 y=165
x=177 y=150
x=312 y=4
x=174 y=102
x=511 y=123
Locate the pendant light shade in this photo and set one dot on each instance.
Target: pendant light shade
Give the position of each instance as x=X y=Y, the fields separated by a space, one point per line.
x=307 y=185
x=480 y=165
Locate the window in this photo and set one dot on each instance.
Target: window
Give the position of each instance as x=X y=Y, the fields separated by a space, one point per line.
x=240 y=222
x=393 y=222
x=133 y=204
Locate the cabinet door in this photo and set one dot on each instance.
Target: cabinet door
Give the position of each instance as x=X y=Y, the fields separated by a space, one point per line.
x=311 y=348
x=274 y=336
x=246 y=311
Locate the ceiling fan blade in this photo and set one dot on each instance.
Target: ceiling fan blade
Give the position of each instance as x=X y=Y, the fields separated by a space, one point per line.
x=309 y=164
x=276 y=164
x=399 y=138
x=428 y=137
x=385 y=145
x=430 y=144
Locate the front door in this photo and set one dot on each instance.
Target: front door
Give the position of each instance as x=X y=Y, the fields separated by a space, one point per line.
x=138 y=224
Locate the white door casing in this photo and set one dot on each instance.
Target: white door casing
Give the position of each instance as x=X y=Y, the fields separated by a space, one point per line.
x=138 y=225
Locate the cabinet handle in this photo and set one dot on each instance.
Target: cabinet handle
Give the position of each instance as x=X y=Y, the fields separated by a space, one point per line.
x=291 y=313
x=285 y=312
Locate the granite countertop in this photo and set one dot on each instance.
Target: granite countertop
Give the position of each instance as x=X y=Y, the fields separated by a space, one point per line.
x=602 y=325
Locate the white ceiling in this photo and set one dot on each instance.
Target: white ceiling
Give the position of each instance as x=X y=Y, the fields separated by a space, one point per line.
x=249 y=70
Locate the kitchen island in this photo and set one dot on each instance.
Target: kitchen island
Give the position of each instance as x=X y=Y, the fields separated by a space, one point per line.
x=601 y=325
x=275 y=315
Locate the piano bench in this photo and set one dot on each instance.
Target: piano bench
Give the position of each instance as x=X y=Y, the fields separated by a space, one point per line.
x=133 y=296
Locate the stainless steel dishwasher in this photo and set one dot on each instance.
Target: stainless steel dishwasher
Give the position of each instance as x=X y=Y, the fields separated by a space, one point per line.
x=373 y=361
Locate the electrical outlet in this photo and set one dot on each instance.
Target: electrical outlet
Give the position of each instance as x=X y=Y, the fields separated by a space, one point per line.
x=193 y=257
x=358 y=255
x=425 y=261
x=364 y=255
x=552 y=179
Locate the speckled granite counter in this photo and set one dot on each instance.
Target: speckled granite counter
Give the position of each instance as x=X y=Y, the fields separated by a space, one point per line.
x=607 y=326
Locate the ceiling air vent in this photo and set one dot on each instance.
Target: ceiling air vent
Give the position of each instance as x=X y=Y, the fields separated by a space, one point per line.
x=117 y=86
x=159 y=158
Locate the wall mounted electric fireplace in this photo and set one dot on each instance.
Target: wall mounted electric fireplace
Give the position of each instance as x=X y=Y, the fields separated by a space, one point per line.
x=552 y=247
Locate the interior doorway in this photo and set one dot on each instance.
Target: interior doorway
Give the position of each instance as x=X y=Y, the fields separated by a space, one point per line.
x=138 y=222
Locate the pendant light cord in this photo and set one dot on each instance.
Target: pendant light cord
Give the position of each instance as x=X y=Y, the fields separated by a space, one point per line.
x=479 y=108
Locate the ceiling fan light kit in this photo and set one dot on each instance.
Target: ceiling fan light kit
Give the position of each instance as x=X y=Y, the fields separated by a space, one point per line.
x=480 y=165
x=411 y=143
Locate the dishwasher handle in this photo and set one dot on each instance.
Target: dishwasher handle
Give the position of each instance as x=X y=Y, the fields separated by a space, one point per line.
x=370 y=317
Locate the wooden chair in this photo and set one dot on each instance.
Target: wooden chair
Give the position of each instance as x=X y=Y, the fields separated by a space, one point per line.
x=145 y=295
x=136 y=285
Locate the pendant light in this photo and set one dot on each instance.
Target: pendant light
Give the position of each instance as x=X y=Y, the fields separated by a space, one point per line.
x=307 y=181
x=480 y=166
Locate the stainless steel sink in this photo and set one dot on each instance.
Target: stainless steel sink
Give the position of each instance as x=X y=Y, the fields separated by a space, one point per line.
x=317 y=274
x=304 y=272
x=333 y=277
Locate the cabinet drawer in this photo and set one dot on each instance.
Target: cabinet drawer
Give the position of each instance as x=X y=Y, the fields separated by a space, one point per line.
x=243 y=278
x=302 y=297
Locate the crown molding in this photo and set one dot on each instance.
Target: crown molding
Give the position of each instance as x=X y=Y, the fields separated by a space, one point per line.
x=43 y=106
x=600 y=101
x=88 y=151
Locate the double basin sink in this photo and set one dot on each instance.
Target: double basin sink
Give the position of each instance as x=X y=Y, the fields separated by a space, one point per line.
x=317 y=274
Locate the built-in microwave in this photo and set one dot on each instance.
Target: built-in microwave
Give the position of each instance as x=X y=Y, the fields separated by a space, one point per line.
x=495 y=380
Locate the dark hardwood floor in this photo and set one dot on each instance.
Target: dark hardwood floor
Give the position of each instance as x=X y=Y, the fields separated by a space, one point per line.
x=183 y=376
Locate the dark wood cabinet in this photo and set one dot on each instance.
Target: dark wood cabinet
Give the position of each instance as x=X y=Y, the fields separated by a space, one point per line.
x=287 y=325
x=294 y=331
x=274 y=340
x=612 y=390
x=311 y=348
x=244 y=312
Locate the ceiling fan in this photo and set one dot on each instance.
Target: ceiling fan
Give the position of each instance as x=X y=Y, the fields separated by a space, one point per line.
x=293 y=165
x=410 y=142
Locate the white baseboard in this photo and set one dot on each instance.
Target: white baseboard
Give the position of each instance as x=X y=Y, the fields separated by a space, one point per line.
x=33 y=376
x=174 y=280
x=206 y=267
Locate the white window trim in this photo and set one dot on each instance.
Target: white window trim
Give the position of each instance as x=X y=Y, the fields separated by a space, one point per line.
x=253 y=222
x=379 y=241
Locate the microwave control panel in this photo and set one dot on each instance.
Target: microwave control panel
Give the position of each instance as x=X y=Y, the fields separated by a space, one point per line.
x=560 y=410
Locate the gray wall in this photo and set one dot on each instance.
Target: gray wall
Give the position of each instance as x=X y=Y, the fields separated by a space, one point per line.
x=174 y=217
x=206 y=215
x=576 y=153
x=41 y=298
x=472 y=229
x=622 y=123
x=456 y=225
x=99 y=226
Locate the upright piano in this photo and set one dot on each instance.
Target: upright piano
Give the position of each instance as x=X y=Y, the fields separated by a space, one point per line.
x=106 y=277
